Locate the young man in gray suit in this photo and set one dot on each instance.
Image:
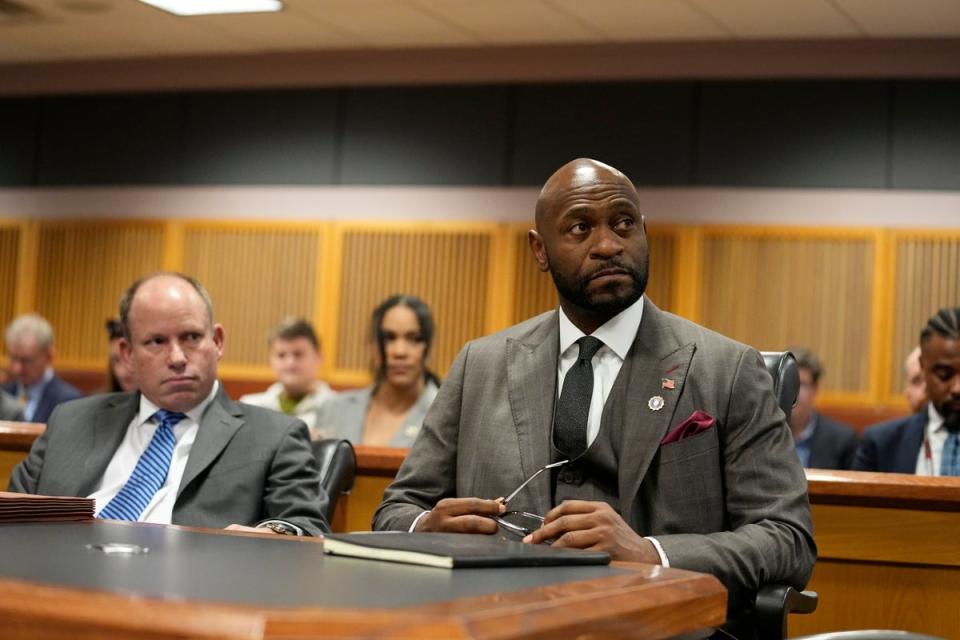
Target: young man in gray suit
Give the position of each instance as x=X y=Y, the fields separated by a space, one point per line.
x=180 y=450
x=679 y=454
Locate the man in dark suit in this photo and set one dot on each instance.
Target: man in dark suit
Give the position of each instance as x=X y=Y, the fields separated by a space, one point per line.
x=822 y=443
x=678 y=453
x=925 y=443
x=30 y=347
x=179 y=450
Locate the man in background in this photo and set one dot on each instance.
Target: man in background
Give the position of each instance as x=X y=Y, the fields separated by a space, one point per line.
x=179 y=451
x=925 y=443
x=822 y=443
x=30 y=347
x=914 y=385
x=295 y=358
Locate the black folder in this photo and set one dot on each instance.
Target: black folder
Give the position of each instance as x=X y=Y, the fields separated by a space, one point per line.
x=456 y=550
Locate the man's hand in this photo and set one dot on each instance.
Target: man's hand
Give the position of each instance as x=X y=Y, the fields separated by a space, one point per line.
x=462 y=515
x=240 y=527
x=596 y=526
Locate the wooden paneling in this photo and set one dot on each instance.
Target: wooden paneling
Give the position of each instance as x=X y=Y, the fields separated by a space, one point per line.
x=447 y=266
x=927 y=279
x=256 y=275
x=9 y=254
x=785 y=288
x=82 y=270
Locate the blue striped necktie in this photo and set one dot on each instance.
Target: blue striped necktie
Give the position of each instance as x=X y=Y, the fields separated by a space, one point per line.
x=950 y=458
x=149 y=474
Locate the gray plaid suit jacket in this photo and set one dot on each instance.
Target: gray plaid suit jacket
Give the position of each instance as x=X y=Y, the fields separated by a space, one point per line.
x=731 y=501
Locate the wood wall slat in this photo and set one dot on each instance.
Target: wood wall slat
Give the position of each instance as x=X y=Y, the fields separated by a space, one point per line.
x=776 y=291
x=82 y=271
x=927 y=280
x=256 y=276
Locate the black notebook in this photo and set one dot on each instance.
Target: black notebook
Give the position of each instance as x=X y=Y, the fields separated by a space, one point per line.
x=455 y=550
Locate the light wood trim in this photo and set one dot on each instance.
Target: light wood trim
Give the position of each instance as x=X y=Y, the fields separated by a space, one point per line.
x=864 y=488
x=881 y=322
x=19 y=436
x=687 y=270
x=379 y=461
x=27 y=256
x=788 y=231
x=174 y=245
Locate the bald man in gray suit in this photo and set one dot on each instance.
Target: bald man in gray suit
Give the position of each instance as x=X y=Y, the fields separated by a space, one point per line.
x=686 y=458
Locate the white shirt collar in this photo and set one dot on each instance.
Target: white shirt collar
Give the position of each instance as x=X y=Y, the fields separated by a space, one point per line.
x=617 y=333
x=147 y=408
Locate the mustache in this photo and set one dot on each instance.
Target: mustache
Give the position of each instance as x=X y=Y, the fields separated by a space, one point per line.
x=614 y=264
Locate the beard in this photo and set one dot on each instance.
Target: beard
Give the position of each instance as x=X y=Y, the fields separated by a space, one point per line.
x=603 y=303
x=951 y=418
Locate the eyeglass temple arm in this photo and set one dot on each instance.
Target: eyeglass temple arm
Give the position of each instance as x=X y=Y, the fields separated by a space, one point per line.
x=530 y=479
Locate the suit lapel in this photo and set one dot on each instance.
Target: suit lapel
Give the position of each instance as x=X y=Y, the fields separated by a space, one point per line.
x=656 y=356
x=531 y=386
x=110 y=426
x=218 y=425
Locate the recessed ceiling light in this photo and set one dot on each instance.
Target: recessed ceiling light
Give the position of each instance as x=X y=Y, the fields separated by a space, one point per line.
x=206 y=7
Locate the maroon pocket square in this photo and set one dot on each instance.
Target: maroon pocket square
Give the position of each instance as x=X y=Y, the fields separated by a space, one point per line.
x=698 y=422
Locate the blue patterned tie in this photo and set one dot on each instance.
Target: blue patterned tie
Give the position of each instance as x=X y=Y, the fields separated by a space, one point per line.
x=149 y=474
x=950 y=458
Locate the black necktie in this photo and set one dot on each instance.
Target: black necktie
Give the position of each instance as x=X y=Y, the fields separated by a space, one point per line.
x=573 y=407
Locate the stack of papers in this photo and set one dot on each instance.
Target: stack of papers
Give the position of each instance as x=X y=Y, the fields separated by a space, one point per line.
x=22 y=507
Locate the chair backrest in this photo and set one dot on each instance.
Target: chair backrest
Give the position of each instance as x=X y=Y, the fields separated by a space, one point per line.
x=338 y=466
x=782 y=367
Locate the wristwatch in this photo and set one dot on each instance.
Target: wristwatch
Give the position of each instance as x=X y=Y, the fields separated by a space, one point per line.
x=277 y=526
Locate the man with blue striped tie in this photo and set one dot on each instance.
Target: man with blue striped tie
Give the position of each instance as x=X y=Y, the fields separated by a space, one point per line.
x=180 y=450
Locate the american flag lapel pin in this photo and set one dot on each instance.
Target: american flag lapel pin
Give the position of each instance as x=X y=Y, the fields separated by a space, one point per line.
x=667 y=383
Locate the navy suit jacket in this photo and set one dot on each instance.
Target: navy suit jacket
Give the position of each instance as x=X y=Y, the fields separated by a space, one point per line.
x=892 y=446
x=56 y=392
x=832 y=446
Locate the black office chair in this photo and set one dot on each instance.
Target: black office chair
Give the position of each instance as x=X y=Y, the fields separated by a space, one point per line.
x=775 y=601
x=337 y=465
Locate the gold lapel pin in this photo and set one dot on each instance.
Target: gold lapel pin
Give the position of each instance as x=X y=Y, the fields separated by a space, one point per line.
x=655 y=403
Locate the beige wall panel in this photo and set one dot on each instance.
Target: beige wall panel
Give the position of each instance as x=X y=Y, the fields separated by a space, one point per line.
x=927 y=279
x=256 y=275
x=82 y=270
x=776 y=291
x=9 y=253
x=447 y=269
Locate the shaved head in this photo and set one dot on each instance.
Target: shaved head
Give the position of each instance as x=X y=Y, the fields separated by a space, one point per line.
x=590 y=237
x=579 y=172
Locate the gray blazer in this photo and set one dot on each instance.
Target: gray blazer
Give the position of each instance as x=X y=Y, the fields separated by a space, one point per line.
x=247 y=464
x=9 y=407
x=731 y=501
x=342 y=416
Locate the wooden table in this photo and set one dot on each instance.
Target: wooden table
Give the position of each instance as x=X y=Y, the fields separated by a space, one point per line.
x=889 y=553
x=196 y=583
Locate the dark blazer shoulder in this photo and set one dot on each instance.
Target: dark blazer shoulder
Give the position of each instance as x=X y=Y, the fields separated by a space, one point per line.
x=892 y=445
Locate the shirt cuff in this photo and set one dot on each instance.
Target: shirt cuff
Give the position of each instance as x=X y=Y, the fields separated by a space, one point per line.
x=413 y=527
x=656 y=545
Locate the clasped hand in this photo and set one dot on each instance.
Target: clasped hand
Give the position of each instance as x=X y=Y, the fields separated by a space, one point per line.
x=577 y=524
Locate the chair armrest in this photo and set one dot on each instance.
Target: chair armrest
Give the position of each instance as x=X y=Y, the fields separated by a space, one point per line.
x=774 y=602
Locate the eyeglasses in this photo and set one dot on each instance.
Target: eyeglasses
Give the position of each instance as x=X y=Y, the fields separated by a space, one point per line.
x=522 y=523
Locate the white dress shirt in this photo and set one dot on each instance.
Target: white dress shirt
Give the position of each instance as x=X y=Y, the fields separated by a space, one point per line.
x=617 y=335
x=936 y=435
x=160 y=509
